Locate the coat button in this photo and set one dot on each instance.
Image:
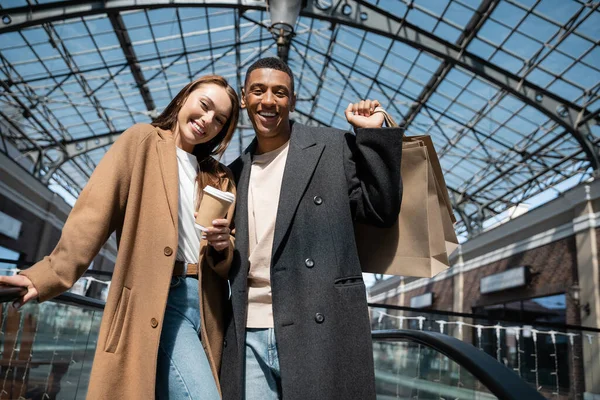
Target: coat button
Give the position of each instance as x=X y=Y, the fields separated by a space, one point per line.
x=225 y=343
x=154 y=322
x=318 y=200
x=309 y=262
x=319 y=318
x=168 y=251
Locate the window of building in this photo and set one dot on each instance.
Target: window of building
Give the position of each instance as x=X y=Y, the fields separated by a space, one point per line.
x=7 y=267
x=550 y=309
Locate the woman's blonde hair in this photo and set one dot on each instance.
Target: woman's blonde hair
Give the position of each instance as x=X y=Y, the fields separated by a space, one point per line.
x=212 y=172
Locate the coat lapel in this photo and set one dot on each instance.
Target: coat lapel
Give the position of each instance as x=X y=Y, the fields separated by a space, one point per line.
x=239 y=270
x=241 y=220
x=168 y=169
x=302 y=159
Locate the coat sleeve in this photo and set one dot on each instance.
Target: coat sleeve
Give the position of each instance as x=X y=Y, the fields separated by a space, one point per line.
x=97 y=213
x=220 y=262
x=372 y=165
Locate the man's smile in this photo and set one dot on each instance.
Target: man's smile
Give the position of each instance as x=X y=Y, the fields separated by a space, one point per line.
x=267 y=116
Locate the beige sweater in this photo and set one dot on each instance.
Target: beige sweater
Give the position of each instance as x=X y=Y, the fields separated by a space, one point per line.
x=263 y=199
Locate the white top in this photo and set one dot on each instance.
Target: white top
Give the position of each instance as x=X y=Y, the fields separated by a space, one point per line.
x=266 y=175
x=188 y=246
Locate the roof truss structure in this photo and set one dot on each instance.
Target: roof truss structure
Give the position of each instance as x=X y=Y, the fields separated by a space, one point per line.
x=508 y=89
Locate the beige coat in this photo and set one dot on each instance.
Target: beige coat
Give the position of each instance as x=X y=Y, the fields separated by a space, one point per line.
x=134 y=191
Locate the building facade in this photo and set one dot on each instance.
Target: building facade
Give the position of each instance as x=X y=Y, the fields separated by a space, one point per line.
x=541 y=267
x=31 y=220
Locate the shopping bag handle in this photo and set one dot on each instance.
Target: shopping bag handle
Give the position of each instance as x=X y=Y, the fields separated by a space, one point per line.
x=389 y=121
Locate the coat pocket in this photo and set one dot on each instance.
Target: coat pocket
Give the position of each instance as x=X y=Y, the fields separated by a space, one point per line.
x=348 y=281
x=116 y=325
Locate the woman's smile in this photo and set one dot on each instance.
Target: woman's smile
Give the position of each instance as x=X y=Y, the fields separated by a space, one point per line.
x=197 y=128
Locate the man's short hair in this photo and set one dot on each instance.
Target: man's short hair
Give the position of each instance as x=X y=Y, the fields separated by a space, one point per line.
x=270 y=63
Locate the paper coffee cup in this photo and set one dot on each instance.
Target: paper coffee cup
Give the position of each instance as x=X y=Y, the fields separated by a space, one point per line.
x=214 y=205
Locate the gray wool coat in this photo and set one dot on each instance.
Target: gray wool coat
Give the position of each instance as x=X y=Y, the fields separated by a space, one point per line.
x=332 y=178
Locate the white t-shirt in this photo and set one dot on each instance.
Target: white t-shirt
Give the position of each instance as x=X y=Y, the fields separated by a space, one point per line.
x=188 y=246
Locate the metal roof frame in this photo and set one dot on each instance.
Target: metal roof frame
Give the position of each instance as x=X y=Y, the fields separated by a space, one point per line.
x=507 y=175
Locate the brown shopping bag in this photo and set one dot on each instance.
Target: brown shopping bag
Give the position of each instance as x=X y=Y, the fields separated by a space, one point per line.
x=423 y=237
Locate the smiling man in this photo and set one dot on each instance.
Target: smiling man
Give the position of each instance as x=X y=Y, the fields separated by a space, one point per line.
x=300 y=327
x=269 y=97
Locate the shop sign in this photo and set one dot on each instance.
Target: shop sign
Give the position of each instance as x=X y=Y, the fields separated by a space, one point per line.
x=9 y=226
x=511 y=278
x=422 y=301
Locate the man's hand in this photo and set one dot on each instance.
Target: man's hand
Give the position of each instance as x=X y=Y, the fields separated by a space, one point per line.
x=362 y=115
x=22 y=281
x=218 y=234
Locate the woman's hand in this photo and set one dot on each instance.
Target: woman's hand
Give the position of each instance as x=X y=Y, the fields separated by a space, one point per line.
x=22 y=281
x=363 y=115
x=218 y=234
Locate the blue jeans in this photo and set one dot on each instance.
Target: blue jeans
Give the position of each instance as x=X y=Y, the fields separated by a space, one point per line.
x=183 y=371
x=262 y=376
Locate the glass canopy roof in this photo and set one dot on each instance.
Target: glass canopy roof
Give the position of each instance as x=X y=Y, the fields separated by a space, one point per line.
x=508 y=90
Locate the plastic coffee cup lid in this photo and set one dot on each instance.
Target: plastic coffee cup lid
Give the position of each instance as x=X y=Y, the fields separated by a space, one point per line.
x=227 y=196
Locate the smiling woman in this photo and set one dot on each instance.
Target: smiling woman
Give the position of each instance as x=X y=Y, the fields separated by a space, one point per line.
x=156 y=340
x=201 y=118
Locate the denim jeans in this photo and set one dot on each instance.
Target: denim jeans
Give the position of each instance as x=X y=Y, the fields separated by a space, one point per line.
x=262 y=376
x=183 y=371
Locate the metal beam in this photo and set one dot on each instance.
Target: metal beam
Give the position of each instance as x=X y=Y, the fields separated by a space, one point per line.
x=362 y=15
x=68 y=150
x=484 y=10
x=462 y=195
x=305 y=117
x=39 y=161
x=21 y=17
x=80 y=79
x=43 y=163
x=528 y=157
x=75 y=146
x=357 y=14
x=238 y=62
x=387 y=88
x=67 y=75
x=525 y=158
x=326 y=61
x=516 y=188
x=132 y=60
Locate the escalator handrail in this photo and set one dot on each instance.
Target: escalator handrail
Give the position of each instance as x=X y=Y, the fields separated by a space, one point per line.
x=497 y=378
x=12 y=293
x=79 y=300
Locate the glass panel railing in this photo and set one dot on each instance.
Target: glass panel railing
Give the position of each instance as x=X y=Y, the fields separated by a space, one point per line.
x=429 y=365
x=408 y=370
x=557 y=360
x=46 y=350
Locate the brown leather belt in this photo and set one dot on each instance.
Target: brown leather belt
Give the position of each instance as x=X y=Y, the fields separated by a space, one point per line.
x=181 y=270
